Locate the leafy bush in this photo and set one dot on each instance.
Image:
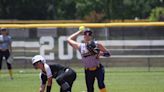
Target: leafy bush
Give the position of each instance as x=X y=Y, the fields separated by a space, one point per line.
x=157 y=14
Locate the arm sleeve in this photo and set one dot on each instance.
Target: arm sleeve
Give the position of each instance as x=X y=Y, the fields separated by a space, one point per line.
x=48 y=70
x=43 y=78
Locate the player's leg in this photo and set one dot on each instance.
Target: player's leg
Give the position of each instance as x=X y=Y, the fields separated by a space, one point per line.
x=9 y=66
x=65 y=80
x=89 y=78
x=64 y=85
x=10 y=70
x=1 y=57
x=70 y=77
x=100 y=78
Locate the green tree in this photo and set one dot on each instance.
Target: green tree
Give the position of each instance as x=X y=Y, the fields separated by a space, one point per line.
x=157 y=14
x=87 y=9
x=96 y=10
x=65 y=9
x=138 y=8
x=23 y=9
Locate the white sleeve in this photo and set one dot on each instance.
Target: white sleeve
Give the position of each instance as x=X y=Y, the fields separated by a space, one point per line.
x=48 y=70
x=40 y=74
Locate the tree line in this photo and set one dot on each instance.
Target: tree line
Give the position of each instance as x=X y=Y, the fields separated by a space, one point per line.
x=93 y=10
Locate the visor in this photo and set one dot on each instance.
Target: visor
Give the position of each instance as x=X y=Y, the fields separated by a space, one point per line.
x=38 y=58
x=88 y=32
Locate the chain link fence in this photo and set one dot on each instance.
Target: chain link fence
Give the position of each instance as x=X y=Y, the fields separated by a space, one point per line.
x=130 y=46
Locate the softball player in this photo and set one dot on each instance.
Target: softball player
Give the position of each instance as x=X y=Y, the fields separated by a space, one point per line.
x=90 y=51
x=64 y=76
x=5 y=50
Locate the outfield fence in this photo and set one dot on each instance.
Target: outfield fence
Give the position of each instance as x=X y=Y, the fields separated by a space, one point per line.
x=131 y=44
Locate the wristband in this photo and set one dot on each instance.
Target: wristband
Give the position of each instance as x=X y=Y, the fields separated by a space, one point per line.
x=48 y=89
x=106 y=54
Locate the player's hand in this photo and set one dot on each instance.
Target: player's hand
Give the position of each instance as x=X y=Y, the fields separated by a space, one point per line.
x=81 y=28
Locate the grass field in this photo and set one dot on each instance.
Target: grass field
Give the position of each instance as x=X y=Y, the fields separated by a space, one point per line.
x=116 y=81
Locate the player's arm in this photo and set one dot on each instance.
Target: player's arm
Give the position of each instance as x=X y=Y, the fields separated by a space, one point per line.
x=43 y=79
x=103 y=51
x=10 y=46
x=49 y=84
x=42 y=88
x=71 y=39
x=49 y=77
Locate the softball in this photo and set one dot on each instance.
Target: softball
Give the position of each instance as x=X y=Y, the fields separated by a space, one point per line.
x=81 y=28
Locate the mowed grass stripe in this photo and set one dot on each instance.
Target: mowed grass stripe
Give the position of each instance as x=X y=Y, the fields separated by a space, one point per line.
x=28 y=81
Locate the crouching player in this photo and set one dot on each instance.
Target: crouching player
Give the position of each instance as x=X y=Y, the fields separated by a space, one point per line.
x=64 y=76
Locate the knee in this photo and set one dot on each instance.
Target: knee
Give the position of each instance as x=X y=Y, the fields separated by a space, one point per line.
x=9 y=66
x=63 y=84
x=59 y=80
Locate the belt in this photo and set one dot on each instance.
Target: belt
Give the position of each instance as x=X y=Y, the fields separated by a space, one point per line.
x=3 y=49
x=93 y=68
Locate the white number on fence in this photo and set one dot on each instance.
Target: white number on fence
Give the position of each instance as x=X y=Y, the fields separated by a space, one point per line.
x=47 y=44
